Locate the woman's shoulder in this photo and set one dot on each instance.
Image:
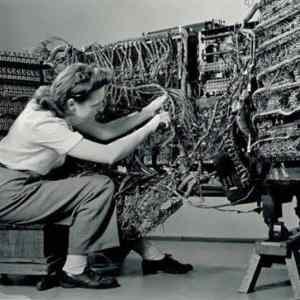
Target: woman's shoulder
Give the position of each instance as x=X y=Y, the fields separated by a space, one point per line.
x=33 y=115
x=33 y=106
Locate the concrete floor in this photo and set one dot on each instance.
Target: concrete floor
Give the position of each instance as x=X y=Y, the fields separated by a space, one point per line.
x=219 y=269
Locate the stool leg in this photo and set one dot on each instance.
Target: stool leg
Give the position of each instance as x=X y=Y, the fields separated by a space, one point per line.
x=293 y=270
x=252 y=273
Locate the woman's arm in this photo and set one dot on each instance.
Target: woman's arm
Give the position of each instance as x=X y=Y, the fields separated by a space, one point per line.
x=118 y=149
x=114 y=129
x=121 y=126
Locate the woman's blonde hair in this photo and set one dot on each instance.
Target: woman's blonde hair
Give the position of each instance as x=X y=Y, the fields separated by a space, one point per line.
x=75 y=81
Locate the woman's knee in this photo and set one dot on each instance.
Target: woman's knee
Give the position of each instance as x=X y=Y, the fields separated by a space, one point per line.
x=102 y=183
x=110 y=185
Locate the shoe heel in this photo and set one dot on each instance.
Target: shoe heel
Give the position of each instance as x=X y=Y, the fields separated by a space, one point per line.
x=148 y=269
x=67 y=285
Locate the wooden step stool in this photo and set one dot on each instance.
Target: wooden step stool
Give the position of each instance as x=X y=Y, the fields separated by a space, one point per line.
x=33 y=250
x=267 y=253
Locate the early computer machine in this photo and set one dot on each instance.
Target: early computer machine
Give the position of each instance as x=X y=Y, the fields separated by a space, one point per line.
x=276 y=121
x=258 y=151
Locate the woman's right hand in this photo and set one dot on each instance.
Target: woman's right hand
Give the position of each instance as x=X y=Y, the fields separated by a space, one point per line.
x=161 y=118
x=156 y=105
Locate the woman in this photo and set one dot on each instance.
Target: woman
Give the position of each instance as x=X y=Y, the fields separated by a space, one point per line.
x=38 y=142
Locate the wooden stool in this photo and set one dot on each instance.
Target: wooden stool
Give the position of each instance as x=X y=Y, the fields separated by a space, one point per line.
x=265 y=254
x=33 y=250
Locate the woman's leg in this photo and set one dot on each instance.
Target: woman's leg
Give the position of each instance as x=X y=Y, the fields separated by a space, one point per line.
x=139 y=212
x=154 y=260
x=147 y=250
x=83 y=203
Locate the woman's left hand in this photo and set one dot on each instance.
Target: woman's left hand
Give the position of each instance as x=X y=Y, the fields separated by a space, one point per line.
x=163 y=119
x=154 y=107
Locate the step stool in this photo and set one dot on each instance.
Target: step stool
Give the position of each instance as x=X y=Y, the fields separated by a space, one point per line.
x=33 y=250
x=267 y=253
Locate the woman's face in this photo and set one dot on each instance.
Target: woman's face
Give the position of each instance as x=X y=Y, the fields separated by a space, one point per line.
x=88 y=109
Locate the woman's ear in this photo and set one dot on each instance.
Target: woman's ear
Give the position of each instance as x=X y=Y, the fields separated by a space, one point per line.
x=71 y=106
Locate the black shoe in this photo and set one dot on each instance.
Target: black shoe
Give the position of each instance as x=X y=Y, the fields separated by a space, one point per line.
x=88 y=279
x=166 y=265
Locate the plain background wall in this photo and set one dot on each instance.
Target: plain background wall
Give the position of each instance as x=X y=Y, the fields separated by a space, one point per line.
x=24 y=23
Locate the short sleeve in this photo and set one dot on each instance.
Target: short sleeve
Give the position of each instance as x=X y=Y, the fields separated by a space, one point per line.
x=54 y=133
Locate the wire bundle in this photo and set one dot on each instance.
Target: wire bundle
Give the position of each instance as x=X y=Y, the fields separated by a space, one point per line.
x=139 y=61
